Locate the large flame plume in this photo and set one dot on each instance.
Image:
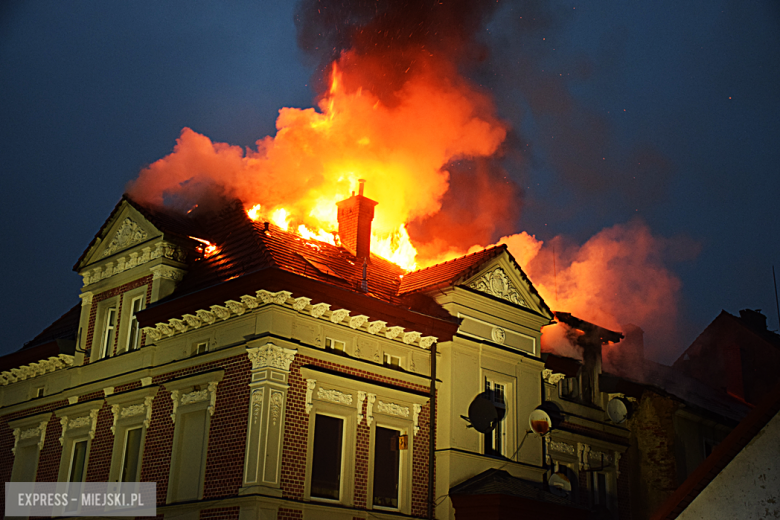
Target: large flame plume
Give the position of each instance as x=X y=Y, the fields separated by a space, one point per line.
x=395 y=110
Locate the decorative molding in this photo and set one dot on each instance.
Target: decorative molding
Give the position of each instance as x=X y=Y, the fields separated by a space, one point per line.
x=146 y=381
x=310 y=384
x=582 y=456
x=161 y=249
x=392 y=409
x=30 y=433
x=370 y=409
x=339 y=315
x=375 y=326
x=393 y=332
x=193 y=397
x=357 y=321
x=319 y=309
x=599 y=457
x=166 y=272
x=73 y=399
x=360 y=400
x=427 y=342
x=35 y=369
x=277 y=398
x=617 y=464
x=551 y=377
x=233 y=308
x=257 y=404
x=301 y=303
x=563 y=447
x=416 y=409
x=109 y=390
x=497 y=283
x=270 y=355
x=499 y=335
x=334 y=396
x=86 y=298
x=79 y=422
x=411 y=337
x=121 y=412
x=128 y=234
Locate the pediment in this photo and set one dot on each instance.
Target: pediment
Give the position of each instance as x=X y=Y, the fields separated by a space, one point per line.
x=503 y=278
x=125 y=229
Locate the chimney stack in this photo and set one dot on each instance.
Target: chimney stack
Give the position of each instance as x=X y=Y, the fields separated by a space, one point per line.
x=355 y=215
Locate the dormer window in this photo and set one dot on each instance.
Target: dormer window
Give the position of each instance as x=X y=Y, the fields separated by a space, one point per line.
x=134 y=331
x=109 y=332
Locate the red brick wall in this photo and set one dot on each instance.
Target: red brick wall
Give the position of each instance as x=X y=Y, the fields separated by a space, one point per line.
x=101 y=447
x=146 y=280
x=297 y=431
x=289 y=514
x=220 y=513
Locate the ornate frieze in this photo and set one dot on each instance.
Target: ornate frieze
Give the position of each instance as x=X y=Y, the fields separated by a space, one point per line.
x=270 y=355
x=257 y=404
x=319 y=309
x=334 y=396
x=235 y=307
x=339 y=315
x=375 y=326
x=411 y=337
x=79 y=422
x=195 y=396
x=497 y=283
x=499 y=335
x=357 y=321
x=38 y=432
x=277 y=398
x=122 y=412
x=161 y=249
x=166 y=272
x=393 y=332
x=416 y=409
x=392 y=409
x=250 y=302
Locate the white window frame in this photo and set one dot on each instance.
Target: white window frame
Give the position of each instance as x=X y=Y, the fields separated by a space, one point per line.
x=336 y=345
x=200 y=384
x=28 y=432
x=348 y=444
x=108 y=330
x=130 y=410
x=132 y=320
x=78 y=423
x=73 y=442
x=405 y=427
x=508 y=426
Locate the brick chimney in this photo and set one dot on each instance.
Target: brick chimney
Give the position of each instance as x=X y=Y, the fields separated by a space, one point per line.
x=355 y=216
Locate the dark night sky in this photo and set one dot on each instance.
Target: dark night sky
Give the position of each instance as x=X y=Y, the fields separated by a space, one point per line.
x=93 y=91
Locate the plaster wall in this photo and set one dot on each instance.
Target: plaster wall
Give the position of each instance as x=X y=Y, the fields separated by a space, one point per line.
x=749 y=487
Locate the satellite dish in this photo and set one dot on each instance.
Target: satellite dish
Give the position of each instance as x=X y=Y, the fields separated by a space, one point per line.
x=618 y=410
x=560 y=485
x=540 y=421
x=483 y=413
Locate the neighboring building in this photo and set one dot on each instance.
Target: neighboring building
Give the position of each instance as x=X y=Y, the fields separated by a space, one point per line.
x=738 y=355
x=741 y=477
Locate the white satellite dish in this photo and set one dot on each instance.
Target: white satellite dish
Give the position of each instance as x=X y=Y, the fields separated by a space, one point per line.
x=618 y=410
x=540 y=422
x=560 y=485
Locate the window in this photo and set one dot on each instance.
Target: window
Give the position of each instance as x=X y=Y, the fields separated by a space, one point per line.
x=334 y=344
x=78 y=461
x=327 y=460
x=387 y=467
x=109 y=332
x=39 y=391
x=201 y=348
x=29 y=436
x=131 y=461
x=496 y=441
x=134 y=331
x=569 y=388
x=392 y=361
x=599 y=490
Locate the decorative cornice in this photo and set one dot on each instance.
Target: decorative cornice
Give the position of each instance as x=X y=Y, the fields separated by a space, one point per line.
x=302 y=304
x=30 y=433
x=129 y=233
x=33 y=370
x=161 y=249
x=270 y=355
x=497 y=283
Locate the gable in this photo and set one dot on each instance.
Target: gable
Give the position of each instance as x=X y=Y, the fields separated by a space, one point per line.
x=125 y=228
x=502 y=278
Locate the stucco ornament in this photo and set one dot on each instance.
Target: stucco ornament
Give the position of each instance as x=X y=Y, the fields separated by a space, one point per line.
x=128 y=234
x=270 y=355
x=392 y=409
x=334 y=396
x=497 y=283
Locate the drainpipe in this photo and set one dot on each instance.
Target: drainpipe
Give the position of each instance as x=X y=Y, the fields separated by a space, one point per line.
x=432 y=434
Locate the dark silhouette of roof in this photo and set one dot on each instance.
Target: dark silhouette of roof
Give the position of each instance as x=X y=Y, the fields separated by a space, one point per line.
x=721 y=456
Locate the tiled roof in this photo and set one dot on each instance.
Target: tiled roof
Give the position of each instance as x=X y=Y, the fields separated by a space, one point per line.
x=64 y=327
x=448 y=272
